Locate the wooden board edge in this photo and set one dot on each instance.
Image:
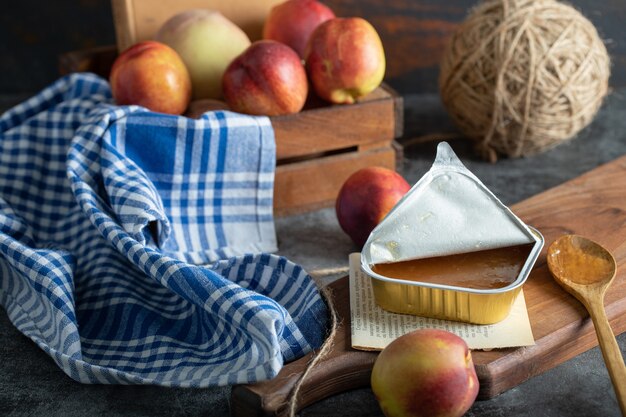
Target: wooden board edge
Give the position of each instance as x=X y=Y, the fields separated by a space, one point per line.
x=528 y=362
x=343 y=372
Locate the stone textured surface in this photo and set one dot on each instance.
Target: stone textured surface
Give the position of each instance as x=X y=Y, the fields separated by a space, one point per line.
x=32 y=385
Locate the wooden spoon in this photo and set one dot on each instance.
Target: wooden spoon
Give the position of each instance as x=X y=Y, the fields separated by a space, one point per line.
x=585 y=269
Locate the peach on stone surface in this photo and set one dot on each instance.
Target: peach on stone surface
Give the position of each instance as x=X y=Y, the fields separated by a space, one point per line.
x=365 y=198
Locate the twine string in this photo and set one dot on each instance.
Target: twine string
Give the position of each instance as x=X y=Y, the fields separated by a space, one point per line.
x=521 y=76
x=326 y=347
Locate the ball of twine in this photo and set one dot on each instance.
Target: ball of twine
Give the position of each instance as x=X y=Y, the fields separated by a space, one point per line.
x=521 y=76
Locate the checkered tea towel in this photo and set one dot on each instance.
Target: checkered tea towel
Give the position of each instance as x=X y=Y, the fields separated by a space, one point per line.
x=107 y=214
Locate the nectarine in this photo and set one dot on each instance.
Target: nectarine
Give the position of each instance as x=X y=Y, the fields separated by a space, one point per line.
x=293 y=21
x=268 y=79
x=425 y=373
x=345 y=59
x=207 y=42
x=365 y=198
x=151 y=74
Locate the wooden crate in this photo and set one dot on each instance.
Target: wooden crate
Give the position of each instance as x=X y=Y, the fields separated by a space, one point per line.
x=138 y=20
x=316 y=149
x=319 y=147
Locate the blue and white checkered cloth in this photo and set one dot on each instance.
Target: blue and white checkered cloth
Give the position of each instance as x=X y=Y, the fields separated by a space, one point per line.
x=107 y=215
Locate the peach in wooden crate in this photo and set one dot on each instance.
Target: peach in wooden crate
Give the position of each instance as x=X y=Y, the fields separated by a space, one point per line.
x=317 y=149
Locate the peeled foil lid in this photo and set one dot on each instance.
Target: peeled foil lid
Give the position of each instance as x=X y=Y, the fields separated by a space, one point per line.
x=448 y=211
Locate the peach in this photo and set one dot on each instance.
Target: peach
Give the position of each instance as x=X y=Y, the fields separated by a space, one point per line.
x=293 y=21
x=425 y=373
x=345 y=59
x=268 y=79
x=365 y=198
x=207 y=42
x=151 y=74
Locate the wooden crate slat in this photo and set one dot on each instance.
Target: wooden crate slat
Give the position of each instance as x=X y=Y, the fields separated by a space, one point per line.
x=309 y=185
x=369 y=123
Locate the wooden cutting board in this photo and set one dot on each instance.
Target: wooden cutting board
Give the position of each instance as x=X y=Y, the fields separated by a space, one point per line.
x=592 y=205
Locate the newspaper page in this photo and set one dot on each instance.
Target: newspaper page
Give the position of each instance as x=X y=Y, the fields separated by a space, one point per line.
x=374 y=328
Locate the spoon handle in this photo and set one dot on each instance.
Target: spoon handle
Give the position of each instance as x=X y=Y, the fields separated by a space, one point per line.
x=610 y=350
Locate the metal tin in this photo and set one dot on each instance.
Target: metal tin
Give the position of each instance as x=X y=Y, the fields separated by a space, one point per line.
x=447 y=302
x=449 y=211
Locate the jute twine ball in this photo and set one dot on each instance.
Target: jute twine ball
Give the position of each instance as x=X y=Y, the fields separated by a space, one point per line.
x=521 y=76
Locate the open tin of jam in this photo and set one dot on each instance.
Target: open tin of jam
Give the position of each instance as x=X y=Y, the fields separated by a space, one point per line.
x=450 y=249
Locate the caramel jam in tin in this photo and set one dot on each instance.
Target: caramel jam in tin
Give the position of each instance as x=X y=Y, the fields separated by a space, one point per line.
x=450 y=249
x=489 y=269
